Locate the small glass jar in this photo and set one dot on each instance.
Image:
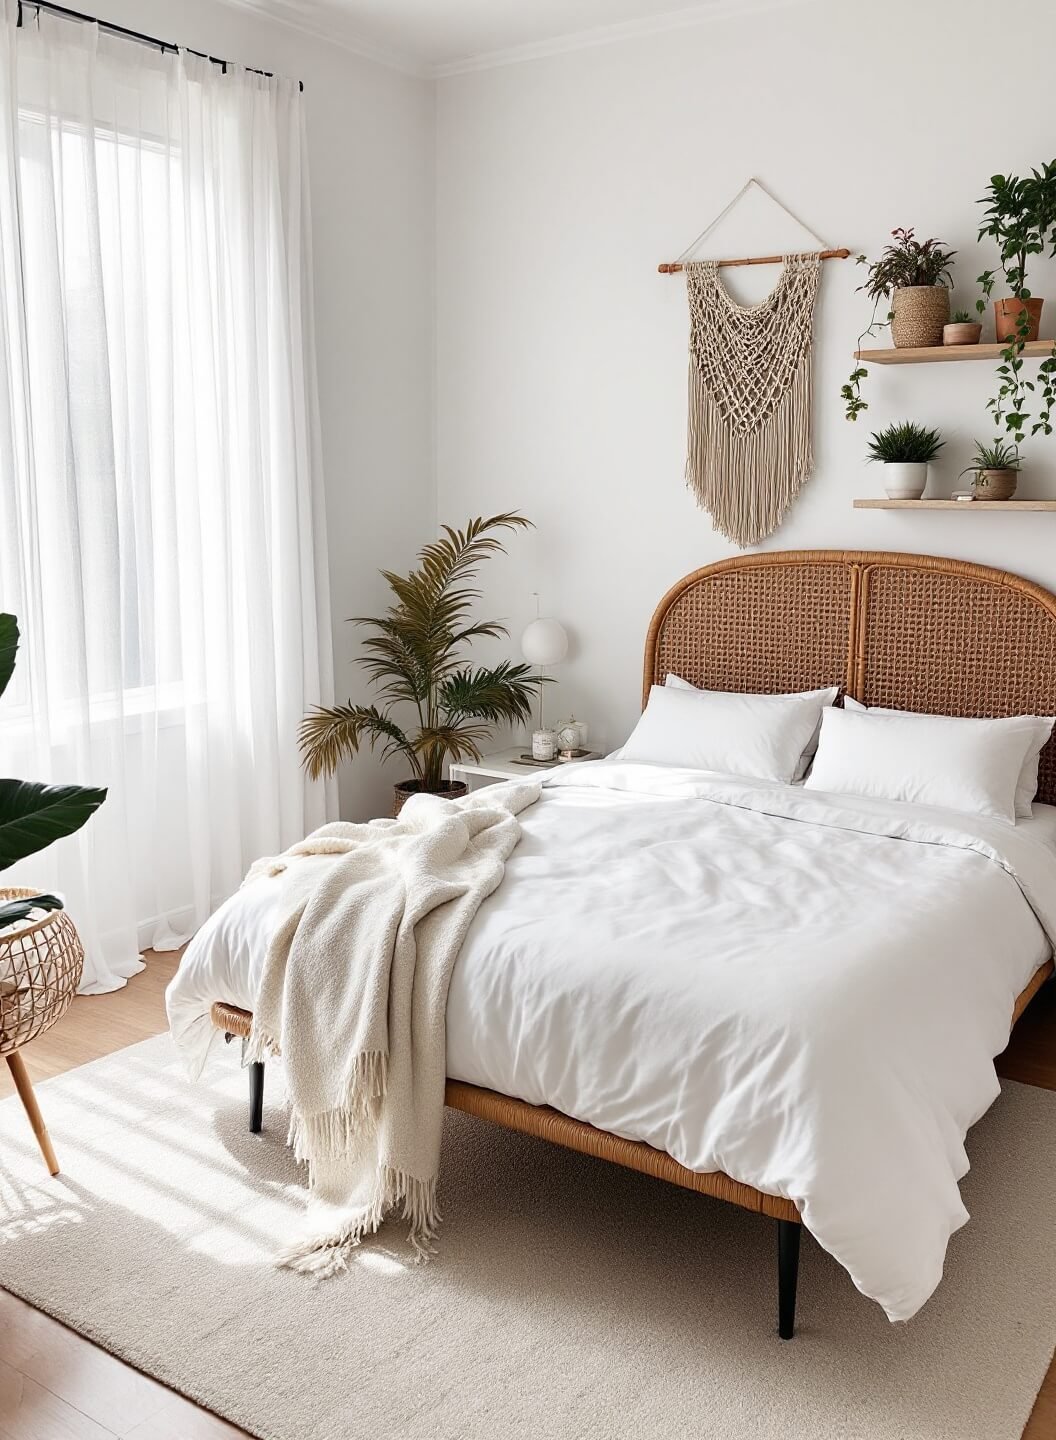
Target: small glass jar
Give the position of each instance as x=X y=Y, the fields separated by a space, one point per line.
x=544 y=745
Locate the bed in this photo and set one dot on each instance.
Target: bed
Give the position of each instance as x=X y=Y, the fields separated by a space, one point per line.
x=911 y=632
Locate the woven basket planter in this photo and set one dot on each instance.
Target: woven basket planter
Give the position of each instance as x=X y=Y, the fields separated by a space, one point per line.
x=401 y=793
x=40 y=968
x=994 y=484
x=919 y=313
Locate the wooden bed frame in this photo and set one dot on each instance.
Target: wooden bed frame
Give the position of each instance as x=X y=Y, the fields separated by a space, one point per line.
x=914 y=632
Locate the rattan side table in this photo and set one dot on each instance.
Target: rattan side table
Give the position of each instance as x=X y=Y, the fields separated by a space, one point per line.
x=40 y=968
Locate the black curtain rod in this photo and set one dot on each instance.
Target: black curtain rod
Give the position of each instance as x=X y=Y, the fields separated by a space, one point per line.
x=165 y=46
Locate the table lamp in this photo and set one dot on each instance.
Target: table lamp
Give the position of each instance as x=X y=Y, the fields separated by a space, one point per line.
x=544 y=643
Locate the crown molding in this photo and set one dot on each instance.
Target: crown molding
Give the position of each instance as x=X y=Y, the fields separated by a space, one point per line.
x=328 y=28
x=684 y=19
x=292 y=17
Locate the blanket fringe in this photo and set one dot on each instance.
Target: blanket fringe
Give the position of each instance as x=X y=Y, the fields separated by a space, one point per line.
x=259 y=1047
x=334 y=1135
x=322 y=1256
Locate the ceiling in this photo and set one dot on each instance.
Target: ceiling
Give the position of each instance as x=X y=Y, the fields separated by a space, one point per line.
x=442 y=36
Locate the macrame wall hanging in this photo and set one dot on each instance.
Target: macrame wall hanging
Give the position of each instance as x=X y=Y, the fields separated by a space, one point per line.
x=750 y=387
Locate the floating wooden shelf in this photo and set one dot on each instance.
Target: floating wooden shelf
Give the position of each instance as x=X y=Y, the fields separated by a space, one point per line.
x=935 y=354
x=1022 y=505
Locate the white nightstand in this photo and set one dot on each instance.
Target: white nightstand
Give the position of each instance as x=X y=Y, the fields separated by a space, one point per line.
x=499 y=766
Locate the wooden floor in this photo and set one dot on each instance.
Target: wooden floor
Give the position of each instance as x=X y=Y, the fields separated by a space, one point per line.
x=55 y=1385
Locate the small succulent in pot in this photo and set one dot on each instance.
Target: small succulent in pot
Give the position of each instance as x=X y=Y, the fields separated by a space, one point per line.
x=915 y=276
x=905 y=450
x=962 y=330
x=994 y=470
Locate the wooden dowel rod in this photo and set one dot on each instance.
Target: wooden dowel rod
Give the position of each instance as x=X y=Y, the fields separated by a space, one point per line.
x=673 y=267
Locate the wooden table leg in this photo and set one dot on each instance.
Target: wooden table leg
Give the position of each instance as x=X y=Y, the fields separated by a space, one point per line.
x=24 y=1086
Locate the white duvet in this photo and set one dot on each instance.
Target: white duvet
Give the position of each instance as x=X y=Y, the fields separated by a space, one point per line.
x=805 y=991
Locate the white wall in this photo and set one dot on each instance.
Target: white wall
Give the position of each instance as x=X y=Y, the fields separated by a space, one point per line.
x=371 y=157
x=562 y=354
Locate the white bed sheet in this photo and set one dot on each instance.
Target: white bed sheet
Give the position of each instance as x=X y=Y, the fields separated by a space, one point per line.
x=805 y=991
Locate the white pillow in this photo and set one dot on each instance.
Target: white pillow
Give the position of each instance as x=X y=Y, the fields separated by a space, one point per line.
x=761 y=737
x=1040 y=727
x=968 y=765
x=826 y=696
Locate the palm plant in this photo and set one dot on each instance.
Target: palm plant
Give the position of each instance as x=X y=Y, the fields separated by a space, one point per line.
x=415 y=658
x=33 y=815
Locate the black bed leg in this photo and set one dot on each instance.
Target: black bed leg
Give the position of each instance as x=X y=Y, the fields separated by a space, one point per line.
x=256 y=1097
x=788 y=1233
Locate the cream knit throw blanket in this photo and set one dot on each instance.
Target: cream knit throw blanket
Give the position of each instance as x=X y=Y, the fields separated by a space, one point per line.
x=354 y=996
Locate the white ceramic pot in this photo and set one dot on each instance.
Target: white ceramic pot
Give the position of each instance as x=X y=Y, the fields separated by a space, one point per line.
x=905 y=479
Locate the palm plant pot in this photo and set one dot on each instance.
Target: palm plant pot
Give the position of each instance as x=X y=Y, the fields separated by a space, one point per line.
x=1007 y=313
x=994 y=484
x=918 y=315
x=401 y=793
x=905 y=479
x=962 y=332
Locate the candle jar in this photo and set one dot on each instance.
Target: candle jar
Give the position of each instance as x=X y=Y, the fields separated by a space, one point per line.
x=544 y=745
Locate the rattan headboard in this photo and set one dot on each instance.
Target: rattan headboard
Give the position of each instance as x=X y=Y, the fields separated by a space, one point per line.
x=912 y=631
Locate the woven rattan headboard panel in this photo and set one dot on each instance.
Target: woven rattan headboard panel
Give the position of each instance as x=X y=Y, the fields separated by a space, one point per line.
x=913 y=631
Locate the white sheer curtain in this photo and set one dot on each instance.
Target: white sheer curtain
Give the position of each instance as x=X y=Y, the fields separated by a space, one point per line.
x=161 y=533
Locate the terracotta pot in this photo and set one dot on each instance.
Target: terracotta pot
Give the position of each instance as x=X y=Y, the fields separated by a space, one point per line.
x=402 y=792
x=961 y=332
x=1006 y=314
x=994 y=484
x=905 y=479
x=918 y=314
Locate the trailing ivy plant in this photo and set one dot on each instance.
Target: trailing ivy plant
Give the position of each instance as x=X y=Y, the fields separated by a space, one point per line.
x=905 y=263
x=1020 y=215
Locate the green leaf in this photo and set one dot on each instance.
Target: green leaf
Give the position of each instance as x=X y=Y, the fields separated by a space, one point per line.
x=8 y=649
x=16 y=910
x=33 y=816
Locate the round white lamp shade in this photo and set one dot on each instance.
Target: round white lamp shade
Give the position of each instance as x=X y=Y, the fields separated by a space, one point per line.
x=544 y=642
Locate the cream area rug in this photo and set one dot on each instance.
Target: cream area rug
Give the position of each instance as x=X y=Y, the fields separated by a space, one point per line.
x=569 y=1299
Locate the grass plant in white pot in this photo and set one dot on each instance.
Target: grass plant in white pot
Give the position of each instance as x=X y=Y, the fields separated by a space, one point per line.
x=905 y=450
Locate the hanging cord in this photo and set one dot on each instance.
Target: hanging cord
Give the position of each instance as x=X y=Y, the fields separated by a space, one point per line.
x=735 y=201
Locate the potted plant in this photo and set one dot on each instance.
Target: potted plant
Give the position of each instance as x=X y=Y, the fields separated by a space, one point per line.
x=962 y=330
x=40 y=951
x=1020 y=215
x=994 y=471
x=905 y=450
x=32 y=815
x=415 y=657
x=915 y=276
